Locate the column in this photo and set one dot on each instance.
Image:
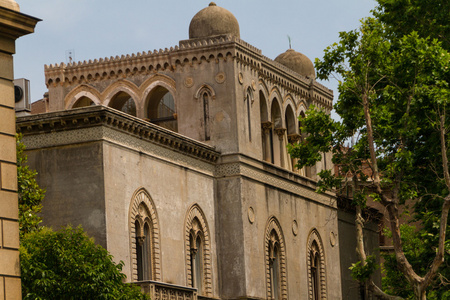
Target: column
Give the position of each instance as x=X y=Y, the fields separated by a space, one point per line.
x=13 y=24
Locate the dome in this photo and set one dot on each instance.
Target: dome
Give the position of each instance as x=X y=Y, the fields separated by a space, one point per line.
x=213 y=20
x=297 y=62
x=11 y=4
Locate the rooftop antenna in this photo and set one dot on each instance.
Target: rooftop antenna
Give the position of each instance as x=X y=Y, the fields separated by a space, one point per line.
x=70 y=55
x=289 y=39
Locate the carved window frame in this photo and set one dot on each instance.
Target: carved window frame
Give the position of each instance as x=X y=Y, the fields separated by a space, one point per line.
x=206 y=94
x=196 y=226
x=143 y=210
x=314 y=239
x=274 y=237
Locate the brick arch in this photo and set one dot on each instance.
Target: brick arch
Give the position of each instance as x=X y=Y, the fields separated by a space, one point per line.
x=194 y=214
x=274 y=226
x=83 y=90
x=314 y=236
x=141 y=200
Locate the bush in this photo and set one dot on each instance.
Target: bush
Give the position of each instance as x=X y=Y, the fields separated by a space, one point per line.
x=67 y=264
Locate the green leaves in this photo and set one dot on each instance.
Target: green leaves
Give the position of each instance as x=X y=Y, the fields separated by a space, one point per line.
x=67 y=264
x=362 y=271
x=30 y=194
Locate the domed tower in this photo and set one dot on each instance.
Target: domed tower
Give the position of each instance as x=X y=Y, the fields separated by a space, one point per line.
x=297 y=62
x=213 y=20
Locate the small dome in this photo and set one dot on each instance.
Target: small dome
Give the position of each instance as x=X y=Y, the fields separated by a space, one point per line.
x=11 y=4
x=297 y=62
x=213 y=20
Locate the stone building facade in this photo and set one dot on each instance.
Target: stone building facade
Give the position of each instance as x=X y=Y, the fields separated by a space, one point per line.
x=13 y=25
x=175 y=161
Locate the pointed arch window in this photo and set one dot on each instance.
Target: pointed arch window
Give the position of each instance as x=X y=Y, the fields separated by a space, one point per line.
x=248 y=103
x=196 y=248
x=205 y=94
x=161 y=108
x=83 y=102
x=206 y=98
x=198 y=253
x=123 y=102
x=316 y=267
x=275 y=255
x=144 y=234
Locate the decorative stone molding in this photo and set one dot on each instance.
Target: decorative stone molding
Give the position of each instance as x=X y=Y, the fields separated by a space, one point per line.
x=280 y=132
x=314 y=237
x=59 y=125
x=266 y=126
x=196 y=215
x=274 y=235
x=143 y=209
x=294 y=138
x=301 y=187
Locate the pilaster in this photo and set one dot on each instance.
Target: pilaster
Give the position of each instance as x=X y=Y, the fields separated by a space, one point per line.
x=13 y=24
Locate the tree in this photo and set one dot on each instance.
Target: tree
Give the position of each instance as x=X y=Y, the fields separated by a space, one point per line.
x=394 y=97
x=29 y=193
x=67 y=264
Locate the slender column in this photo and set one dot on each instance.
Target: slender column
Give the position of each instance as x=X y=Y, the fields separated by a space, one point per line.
x=280 y=132
x=266 y=128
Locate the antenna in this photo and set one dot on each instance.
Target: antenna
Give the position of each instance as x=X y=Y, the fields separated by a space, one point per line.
x=289 y=39
x=70 y=55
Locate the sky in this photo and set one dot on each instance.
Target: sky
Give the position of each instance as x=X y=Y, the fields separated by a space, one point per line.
x=93 y=29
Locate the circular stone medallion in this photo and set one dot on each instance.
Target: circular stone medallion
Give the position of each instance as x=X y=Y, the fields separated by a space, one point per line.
x=332 y=239
x=241 y=78
x=188 y=82
x=295 y=227
x=220 y=77
x=251 y=215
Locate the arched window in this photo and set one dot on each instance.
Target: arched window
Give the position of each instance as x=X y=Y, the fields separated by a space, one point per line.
x=248 y=103
x=316 y=267
x=143 y=250
x=266 y=128
x=198 y=253
x=123 y=102
x=144 y=235
x=205 y=94
x=292 y=135
x=275 y=256
x=82 y=102
x=161 y=109
x=196 y=248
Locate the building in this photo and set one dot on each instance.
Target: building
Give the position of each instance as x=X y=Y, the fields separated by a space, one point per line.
x=13 y=25
x=175 y=161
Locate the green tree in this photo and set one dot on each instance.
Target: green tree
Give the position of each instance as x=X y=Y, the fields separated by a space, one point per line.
x=67 y=264
x=392 y=142
x=29 y=192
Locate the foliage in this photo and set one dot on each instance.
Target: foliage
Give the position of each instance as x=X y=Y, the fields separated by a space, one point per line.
x=393 y=102
x=363 y=271
x=67 y=264
x=419 y=247
x=29 y=192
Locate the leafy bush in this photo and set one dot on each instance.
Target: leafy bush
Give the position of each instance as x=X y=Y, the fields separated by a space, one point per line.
x=67 y=264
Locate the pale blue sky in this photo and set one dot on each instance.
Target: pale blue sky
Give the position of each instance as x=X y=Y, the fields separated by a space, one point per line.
x=101 y=28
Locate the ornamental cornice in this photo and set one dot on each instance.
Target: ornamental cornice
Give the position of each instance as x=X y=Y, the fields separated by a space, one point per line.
x=240 y=165
x=95 y=116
